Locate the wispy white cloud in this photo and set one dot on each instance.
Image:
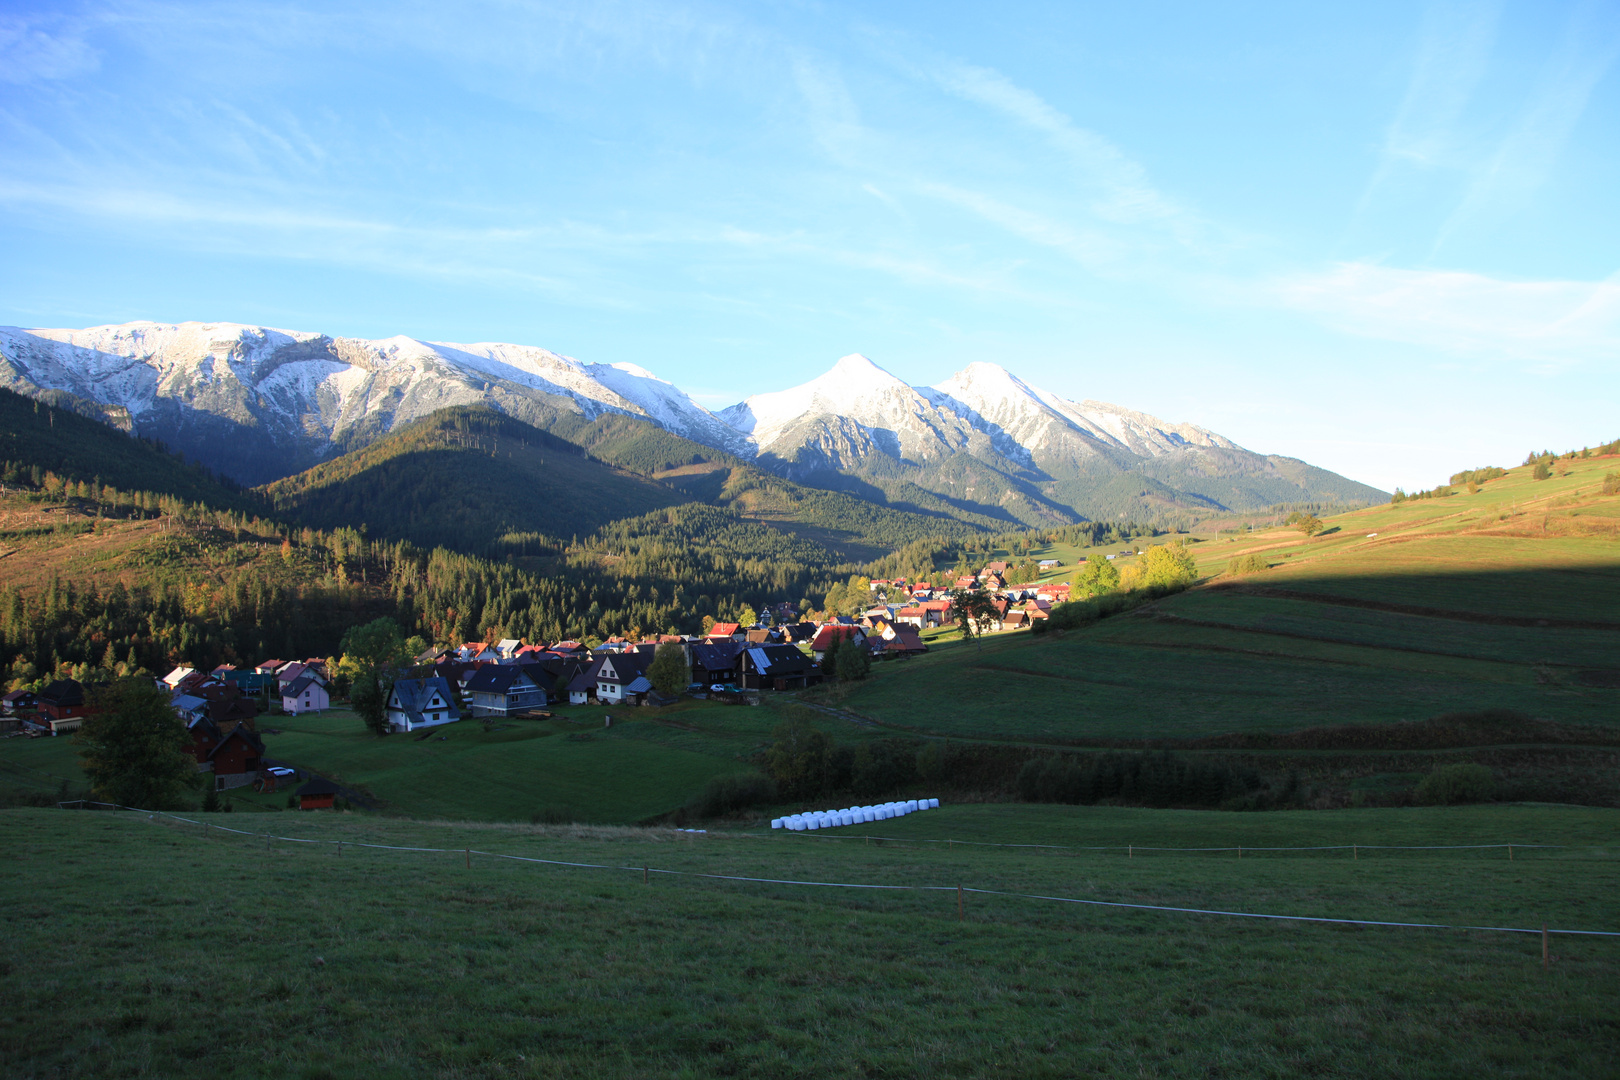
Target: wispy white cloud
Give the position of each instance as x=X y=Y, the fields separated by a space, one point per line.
x=43 y=49
x=1526 y=155
x=1123 y=192
x=1453 y=54
x=1546 y=325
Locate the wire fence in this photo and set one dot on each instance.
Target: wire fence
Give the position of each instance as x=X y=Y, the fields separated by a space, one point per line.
x=1149 y=848
x=647 y=871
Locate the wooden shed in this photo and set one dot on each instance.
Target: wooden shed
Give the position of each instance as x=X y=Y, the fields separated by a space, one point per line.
x=317 y=794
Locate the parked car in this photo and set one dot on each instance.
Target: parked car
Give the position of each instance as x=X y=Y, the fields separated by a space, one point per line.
x=281 y=772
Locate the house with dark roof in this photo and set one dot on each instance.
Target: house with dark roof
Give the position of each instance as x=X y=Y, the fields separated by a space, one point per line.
x=775 y=667
x=414 y=704
x=19 y=701
x=715 y=661
x=903 y=641
x=505 y=689
x=236 y=758
x=62 y=707
x=305 y=694
x=614 y=674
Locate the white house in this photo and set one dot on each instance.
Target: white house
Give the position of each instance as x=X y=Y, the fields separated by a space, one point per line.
x=420 y=703
x=304 y=694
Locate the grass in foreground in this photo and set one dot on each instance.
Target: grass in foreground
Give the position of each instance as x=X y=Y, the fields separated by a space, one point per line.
x=142 y=948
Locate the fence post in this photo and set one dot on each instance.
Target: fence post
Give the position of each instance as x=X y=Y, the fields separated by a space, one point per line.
x=958 y=902
x=1130 y=851
x=1355 y=853
x=1544 y=960
x=1510 y=853
x=644 y=875
x=468 y=853
x=1240 y=851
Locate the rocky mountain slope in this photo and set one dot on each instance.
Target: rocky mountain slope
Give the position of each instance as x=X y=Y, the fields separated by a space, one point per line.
x=259 y=404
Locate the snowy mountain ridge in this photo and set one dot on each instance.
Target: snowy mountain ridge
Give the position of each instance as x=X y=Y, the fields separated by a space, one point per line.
x=258 y=404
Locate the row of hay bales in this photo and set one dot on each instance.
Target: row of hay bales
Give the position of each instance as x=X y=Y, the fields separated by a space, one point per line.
x=852 y=815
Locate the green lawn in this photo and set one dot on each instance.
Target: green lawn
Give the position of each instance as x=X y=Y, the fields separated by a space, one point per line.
x=521 y=768
x=145 y=948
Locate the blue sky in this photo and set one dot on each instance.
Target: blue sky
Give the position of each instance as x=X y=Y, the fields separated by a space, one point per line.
x=1381 y=237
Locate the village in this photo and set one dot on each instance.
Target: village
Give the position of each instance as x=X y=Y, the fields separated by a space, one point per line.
x=513 y=679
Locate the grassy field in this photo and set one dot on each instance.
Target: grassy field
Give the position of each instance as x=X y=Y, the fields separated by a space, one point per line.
x=1506 y=598
x=141 y=948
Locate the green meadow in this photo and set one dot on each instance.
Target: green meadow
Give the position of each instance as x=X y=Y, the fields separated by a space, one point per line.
x=1507 y=598
x=139 y=947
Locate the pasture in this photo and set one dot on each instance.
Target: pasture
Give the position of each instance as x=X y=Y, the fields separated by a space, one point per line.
x=140 y=947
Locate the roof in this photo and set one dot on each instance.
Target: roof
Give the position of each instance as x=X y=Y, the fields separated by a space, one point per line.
x=905 y=640
x=779 y=661
x=831 y=635
x=250 y=737
x=413 y=694
x=493 y=679
x=188 y=703
x=291 y=671
x=320 y=786
x=803 y=631
x=582 y=682
x=715 y=656
x=63 y=693
x=299 y=685
x=18 y=695
x=621 y=667
x=724 y=629
x=638 y=685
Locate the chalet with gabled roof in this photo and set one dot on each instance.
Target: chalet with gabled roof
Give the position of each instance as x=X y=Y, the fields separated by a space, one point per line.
x=414 y=704
x=831 y=635
x=305 y=694
x=506 y=689
x=775 y=667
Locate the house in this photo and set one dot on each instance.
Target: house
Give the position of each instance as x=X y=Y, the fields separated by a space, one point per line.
x=189 y=708
x=504 y=689
x=418 y=703
x=19 y=701
x=508 y=649
x=318 y=794
x=1016 y=619
x=775 y=667
x=799 y=632
x=236 y=758
x=581 y=686
x=289 y=673
x=304 y=694
x=967 y=583
x=614 y=674
x=173 y=679
x=904 y=641
x=479 y=652
x=912 y=616
x=723 y=630
x=62 y=707
x=231 y=712
x=269 y=667
x=205 y=735
x=936 y=612
x=1049 y=564
x=247 y=680
x=831 y=635
x=715 y=662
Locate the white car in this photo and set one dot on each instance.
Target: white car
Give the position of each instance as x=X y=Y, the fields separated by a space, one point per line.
x=281 y=772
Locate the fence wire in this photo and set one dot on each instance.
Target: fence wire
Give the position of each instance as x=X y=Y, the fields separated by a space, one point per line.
x=153 y=815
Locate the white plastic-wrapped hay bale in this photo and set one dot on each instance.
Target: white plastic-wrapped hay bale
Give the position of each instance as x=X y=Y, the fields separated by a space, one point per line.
x=867 y=815
x=776 y=823
x=911 y=806
x=933 y=804
x=847 y=817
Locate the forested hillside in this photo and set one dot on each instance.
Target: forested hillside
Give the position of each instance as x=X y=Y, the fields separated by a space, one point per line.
x=36 y=438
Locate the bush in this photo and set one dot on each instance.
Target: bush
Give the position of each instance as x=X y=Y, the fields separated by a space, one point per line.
x=1158 y=779
x=1611 y=483
x=1450 y=784
x=726 y=794
x=1540 y=472
x=1248 y=564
